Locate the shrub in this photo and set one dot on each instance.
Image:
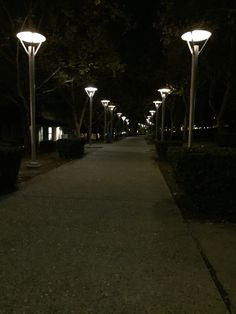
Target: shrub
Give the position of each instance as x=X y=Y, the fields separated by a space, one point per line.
x=163 y=147
x=227 y=139
x=209 y=179
x=70 y=148
x=10 y=158
x=47 y=146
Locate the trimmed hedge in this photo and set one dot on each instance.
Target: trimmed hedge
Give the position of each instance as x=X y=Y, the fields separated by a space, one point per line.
x=10 y=159
x=70 y=148
x=208 y=178
x=162 y=147
x=47 y=146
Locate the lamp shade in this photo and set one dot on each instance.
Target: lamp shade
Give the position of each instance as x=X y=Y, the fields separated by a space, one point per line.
x=105 y=102
x=157 y=103
x=164 y=91
x=196 y=35
x=30 y=37
x=90 y=91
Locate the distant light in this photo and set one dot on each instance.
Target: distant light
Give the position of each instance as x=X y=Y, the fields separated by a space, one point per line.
x=152 y=112
x=105 y=102
x=30 y=37
x=157 y=103
x=164 y=91
x=196 y=35
x=90 y=91
x=119 y=114
x=111 y=107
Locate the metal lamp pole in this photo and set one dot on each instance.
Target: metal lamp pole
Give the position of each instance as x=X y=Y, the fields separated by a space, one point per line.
x=119 y=114
x=105 y=104
x=111 y=108
x=192 y=39
x=157 y=104
x=123 y=119
x=90 y=91
x=152 y=112
x=164 y=92
x=31 y=43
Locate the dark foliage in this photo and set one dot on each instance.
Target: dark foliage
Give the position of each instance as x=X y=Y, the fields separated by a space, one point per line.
x=47 y=146
x=162 y=147
x=70 y=148
x=10 y=159
x=208 y=178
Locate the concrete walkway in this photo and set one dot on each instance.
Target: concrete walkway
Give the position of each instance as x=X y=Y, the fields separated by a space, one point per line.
x=101 y=234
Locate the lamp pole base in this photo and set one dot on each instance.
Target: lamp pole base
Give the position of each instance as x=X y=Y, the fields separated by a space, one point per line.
x=33 y=164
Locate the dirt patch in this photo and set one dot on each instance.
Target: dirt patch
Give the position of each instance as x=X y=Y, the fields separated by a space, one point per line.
x=47 y=161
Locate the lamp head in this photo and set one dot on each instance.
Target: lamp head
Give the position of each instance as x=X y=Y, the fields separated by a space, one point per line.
x=31 y=38
x=105 y=102
x=119 y=114
x=196 y=35
x=111 y=107
x=164 y=91
x=157 y=103
x=90 y=91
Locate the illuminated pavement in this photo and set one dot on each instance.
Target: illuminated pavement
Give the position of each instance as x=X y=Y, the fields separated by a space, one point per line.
x=101 y=234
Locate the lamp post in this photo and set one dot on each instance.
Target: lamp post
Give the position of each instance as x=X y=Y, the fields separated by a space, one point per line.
x=119 y=114
x=164 y=92
x=90 y=91
x=123 y=119
x=105 y=104
x=111 y=108
x=152 y=112
x=31 y=43
x=193 y=38
x=157 y=104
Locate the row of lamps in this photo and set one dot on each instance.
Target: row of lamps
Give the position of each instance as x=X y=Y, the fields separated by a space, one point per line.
x=193 y=39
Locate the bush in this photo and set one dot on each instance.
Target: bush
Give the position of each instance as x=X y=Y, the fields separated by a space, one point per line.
x=70 y=148
x=209 y=179
x=47 y=146
x=10 y=159
x=227 y=139
x=162 y=147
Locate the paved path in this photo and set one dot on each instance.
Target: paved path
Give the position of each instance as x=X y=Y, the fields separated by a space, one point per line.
x=101 y=235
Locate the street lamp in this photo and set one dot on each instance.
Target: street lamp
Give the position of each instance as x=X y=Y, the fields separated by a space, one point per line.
x=152 y=112
x=164 y=92
x=90 y=91
x=123 y=119
x=31 y=43
x=111 y=108
x=193 y=38
x=157 y=104
x=119 y=114
x=105 y=104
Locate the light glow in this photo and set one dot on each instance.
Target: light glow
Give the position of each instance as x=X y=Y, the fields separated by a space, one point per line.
x=157 y=103
x=196 y=35
x=105 y=102
x=111 y=107
x=164 y=91
x=90 y=91
x=30 y=37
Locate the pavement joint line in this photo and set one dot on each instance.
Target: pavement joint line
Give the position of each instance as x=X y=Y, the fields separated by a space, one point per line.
x=218 y=284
